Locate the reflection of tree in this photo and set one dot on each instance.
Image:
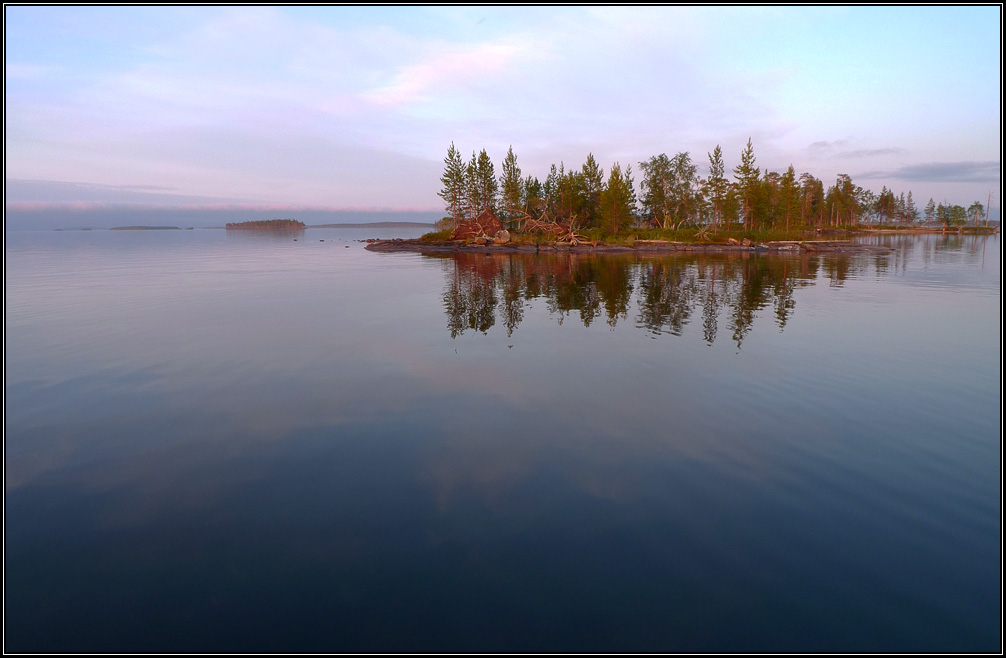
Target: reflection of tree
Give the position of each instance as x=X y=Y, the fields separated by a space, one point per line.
x=712 y=299
x=470 y=301
x=485 y=289
x=751 y=296
x=512 y=305
x=665 y=295
x=837 y=269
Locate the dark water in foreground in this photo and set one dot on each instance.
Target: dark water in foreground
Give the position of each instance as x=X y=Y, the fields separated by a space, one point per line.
x=246 y=443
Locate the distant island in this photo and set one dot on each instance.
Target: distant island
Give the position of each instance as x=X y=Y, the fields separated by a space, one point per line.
x=141 y=228
x=267 y=225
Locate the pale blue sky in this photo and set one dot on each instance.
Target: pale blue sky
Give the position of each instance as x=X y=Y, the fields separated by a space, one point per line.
x=355 y=107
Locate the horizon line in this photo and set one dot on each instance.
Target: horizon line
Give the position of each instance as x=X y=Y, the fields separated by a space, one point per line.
x=83 y=206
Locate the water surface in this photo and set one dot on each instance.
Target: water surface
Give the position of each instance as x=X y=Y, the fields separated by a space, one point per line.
x=255 y=443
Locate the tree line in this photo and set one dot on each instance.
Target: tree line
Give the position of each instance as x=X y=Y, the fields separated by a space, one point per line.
x=673 y=195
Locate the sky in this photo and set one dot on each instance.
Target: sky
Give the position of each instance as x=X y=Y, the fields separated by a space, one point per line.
x=354 y=108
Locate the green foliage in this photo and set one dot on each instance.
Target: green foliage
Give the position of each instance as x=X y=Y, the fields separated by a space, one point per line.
x=683 y=199
x=951 y=215
x=717 y=186
x=976 y=211
x=482 y=190
x=512 y=186
x=911 y=212
x=590 y=186
x=842 y=202
x=442 y=235
x=453 y=180
x=673 y=197
x=655 y=184
x=533 y=199
x=671 y=192
x=930 y=211
x=617 y=201
x=811 y=199
x=789 y=196
x=747 y=176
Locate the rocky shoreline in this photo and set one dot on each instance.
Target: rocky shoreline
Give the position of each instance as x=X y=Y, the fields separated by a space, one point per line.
x=639 y=246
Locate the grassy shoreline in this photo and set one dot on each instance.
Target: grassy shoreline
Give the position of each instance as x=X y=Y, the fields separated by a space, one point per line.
x=723 y=236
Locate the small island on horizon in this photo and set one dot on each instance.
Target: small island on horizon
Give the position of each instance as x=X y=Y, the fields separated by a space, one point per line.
x=267 y=225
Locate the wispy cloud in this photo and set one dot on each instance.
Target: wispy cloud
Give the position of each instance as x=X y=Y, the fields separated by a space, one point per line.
x=825 y=148
x=448 y=68
x=989 y=171
x=869 y=153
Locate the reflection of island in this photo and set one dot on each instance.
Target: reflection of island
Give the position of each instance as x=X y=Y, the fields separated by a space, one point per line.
x=267 y=225
x=670 y=292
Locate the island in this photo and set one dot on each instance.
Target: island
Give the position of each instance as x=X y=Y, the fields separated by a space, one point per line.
x=677 y=209
x=267 y=225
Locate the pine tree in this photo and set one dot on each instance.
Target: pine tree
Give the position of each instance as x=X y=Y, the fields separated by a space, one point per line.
x=511 y=185
x=789 y=193
x=930 y=211
x=913 y=212
x=592 y=183
x=747 y=177
x=453 y=191
x=533 y=196
x=812 y=193
x=717 y=184
x=618 y=200
x=482 y=188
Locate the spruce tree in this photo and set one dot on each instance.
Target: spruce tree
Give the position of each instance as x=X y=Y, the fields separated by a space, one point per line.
x=591 y=184
x=453 y=191
x=747 y=176
x=512 y=185
x=930 y=211
x=618 y=200
x=717 y=184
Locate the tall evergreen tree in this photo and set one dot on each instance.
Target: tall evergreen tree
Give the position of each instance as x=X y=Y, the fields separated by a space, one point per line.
x=573 y=203
x=812 y=199
x=592 y=183
x=843 y=201
x=483 y=190
x=533 y=199
x=453 y=180
x=617 y=200
x=789 y=195
x=910 y=209
x=717 y=185
x=551 y=190
x=930 y=211
x=511 y=185
x=747 y=176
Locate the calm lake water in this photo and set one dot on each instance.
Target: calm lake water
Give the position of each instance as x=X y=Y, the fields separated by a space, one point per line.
x=220 y=442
